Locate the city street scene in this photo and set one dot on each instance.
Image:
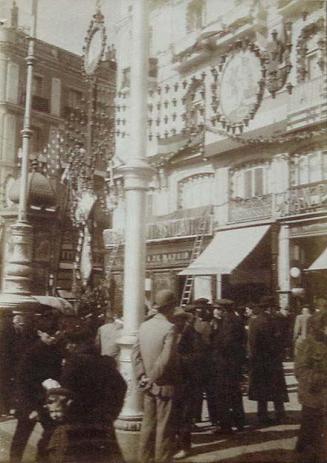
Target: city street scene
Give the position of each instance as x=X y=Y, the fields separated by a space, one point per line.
x=163 y=231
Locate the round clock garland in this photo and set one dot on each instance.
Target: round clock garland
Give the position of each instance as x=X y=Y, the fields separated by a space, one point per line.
x=241 y=86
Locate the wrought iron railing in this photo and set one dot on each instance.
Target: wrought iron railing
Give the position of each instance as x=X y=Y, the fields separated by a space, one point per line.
x=174 y=228
x=302 y=199
x=247 y=209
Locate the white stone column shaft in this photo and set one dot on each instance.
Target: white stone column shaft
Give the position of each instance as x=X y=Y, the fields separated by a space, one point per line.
x=284 y=265
x=136 y=173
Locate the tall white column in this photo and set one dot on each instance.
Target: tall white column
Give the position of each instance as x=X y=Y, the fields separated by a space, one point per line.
x=284 y=265
x=137 y=174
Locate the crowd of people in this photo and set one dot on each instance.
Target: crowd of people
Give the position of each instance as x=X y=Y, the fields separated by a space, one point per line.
x=64 y=373
x=219 y=351
x=57 y=376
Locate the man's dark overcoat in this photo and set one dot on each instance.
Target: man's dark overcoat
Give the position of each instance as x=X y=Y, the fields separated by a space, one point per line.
x=266 y=376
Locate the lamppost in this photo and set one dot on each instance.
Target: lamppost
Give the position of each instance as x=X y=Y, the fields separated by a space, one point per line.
x=137 y=174
x=17 y=273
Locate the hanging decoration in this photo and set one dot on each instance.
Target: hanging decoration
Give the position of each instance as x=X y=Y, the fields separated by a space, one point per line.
x=277 y=60
x=274 y=139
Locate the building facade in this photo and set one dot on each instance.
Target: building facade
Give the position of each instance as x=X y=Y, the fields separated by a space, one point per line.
x=60 y=102
x=237 y=109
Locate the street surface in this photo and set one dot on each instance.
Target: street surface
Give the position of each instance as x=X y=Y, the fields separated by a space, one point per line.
x=272 y=444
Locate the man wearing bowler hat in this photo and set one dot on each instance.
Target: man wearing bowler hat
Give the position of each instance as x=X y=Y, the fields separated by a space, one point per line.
x=155 y=363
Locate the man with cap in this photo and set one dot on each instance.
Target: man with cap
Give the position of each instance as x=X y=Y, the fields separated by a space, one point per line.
x=155 y=364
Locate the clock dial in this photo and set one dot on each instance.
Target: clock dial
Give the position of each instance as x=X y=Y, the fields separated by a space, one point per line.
x=239 y=85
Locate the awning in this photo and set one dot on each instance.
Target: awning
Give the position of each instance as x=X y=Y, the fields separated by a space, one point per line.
x=226 y=251
x=320 y=263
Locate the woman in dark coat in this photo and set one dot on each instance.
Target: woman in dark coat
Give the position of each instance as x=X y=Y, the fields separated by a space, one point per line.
x=266 y=375
x=96 y=392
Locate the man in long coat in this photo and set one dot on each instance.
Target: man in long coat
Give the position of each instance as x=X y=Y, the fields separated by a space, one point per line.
x=229 y=357
x=266 y=376
x=155 y=364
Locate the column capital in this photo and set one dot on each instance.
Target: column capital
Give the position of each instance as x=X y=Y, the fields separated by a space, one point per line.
x=137 y=174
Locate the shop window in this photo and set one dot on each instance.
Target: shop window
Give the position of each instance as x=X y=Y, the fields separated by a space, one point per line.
x=250 y=182
x=196 y=191
x=195 y=15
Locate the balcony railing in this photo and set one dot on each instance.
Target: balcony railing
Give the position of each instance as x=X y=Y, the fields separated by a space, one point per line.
x=174 y=228
x=168 y=229
x=242 y=210
x=302 y=199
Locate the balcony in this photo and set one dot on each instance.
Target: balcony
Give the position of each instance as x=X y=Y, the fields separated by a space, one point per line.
x=302 y=199
x=248 y=209
x=177 y=228
x=180 y=224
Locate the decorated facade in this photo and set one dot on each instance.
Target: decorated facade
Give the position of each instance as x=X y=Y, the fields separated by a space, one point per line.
x=71 y=145
x=237 y=134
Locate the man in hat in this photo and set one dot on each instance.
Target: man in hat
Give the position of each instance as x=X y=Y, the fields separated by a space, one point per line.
x=192 y=353
x=155 y=363
x=39 y=363
x=266 y=376
x=229 y=358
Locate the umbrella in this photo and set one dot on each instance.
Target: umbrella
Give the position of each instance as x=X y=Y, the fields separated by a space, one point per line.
x=58 y=303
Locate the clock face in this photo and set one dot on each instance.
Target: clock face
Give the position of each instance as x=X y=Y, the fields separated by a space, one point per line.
x=94 y=51
x=239 y=85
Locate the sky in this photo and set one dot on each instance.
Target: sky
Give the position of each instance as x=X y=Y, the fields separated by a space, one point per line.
x=63 y=22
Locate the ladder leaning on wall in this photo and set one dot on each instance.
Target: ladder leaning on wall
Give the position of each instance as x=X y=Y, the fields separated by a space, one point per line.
x=196 y=251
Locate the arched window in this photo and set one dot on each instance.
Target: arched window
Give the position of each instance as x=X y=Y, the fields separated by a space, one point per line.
x=195 y=191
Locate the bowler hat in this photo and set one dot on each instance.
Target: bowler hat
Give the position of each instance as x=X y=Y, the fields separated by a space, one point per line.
x=165 y=298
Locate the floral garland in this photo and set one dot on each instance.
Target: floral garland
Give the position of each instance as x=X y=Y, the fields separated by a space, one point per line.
x=281 y=139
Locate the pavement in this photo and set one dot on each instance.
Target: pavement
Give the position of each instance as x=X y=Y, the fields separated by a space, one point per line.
x=273 y=444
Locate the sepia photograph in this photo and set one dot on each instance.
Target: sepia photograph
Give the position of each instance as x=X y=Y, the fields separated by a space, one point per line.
x=163 y=231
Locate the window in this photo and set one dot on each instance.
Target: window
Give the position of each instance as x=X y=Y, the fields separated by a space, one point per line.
x=74 y=98
x=248 y=182
x=37 y=86
x=195 y=15
x=195 y=191
x=309 y=168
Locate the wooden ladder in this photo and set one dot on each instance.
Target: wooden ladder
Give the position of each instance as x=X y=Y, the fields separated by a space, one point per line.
x=196 y=251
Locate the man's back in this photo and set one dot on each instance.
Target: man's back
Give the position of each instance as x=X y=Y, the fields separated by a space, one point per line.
x=157 y=339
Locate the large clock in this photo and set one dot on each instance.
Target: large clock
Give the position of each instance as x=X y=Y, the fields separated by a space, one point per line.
x=95 y=45
x=240 y=85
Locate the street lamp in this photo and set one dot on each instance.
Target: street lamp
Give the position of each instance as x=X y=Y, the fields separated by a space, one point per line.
x=17 y=278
